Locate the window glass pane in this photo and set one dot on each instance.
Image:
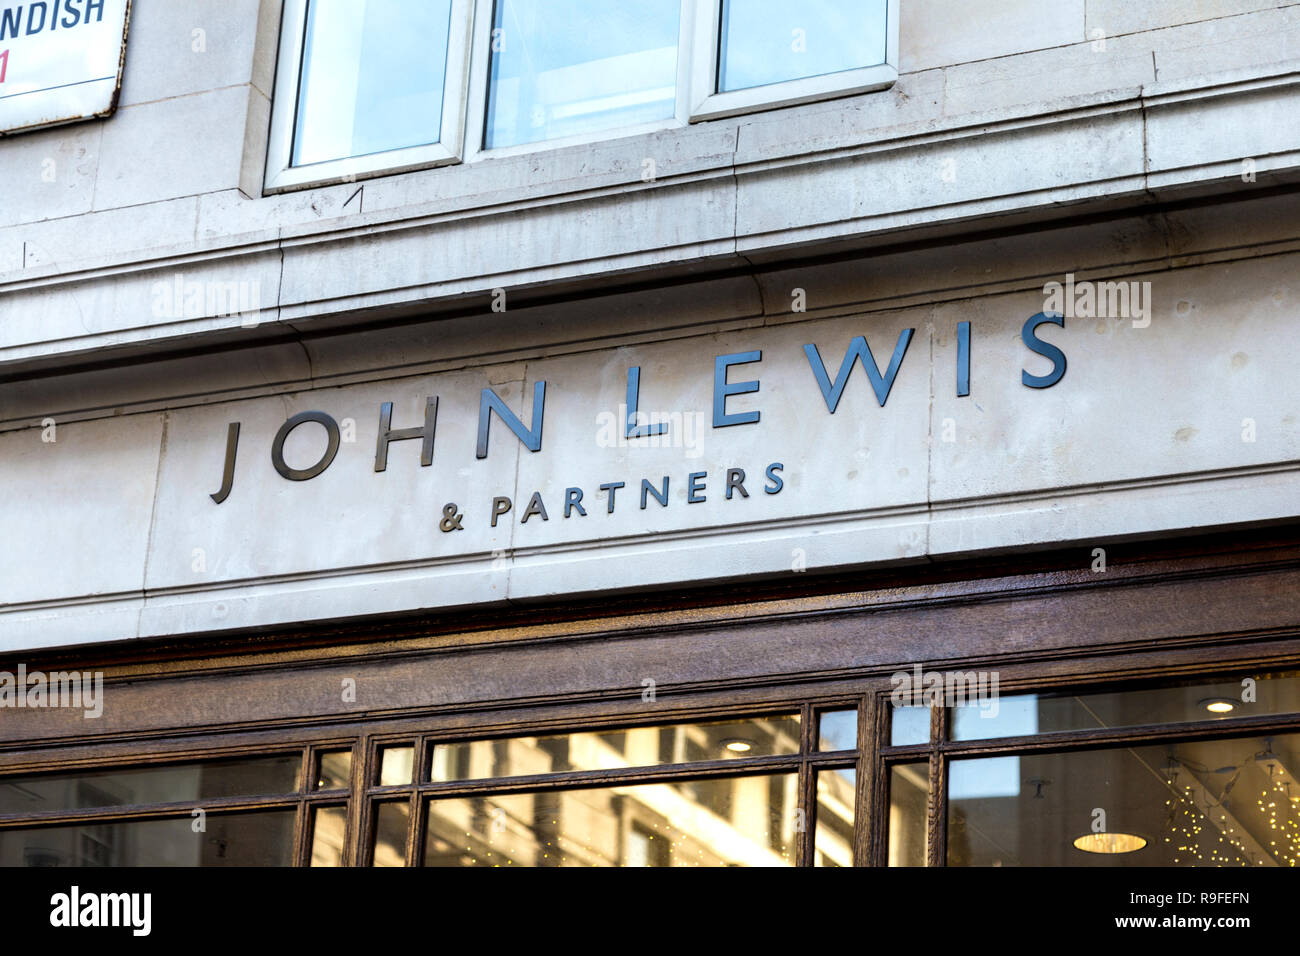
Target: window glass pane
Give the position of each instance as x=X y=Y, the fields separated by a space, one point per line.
x=334 y=770
x=328 y=827
x=561 y=67
x=1023 y=714
x=836 y=791
x=390 y=833
x=837 y=730
x=909 y=725
x=396 y=766
x=610 y=750
x=909 y=795
x=263 y=838
x=260 y=776
x=1199 y=803
x=770 y=41
x=742 y=821
x=372 y=77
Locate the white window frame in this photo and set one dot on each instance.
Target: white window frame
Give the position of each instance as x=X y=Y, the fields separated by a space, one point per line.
x=476 y=130
x=281 y=176
x=707 y=103
x=465 y=95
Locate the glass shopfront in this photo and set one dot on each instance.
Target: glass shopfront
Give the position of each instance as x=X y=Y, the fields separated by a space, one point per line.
x=1200 y=771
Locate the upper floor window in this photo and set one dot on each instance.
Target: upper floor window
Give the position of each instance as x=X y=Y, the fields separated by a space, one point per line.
x=367 y=86
x=380 y=86
x=372 y=79
x=567 y=67
x=755 y=54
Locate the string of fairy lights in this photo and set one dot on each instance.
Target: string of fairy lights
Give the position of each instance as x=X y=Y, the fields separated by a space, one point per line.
x=1196 y=840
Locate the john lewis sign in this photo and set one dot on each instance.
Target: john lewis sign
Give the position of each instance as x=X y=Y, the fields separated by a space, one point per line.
x=724 y=386
x=60 y=61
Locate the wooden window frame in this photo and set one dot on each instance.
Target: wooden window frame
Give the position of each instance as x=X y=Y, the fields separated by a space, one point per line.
x=302 y=801
x=806 y=764
x=941 y=750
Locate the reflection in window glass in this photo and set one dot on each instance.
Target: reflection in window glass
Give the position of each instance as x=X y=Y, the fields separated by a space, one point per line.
x=372 y=77
x=167 y=783
x=742 y=821
x=1023 y=714
x=837 y=730
x=610 y=750
x=334 y=770
x=327 y=830
x=263 y=838
x=836 y=793
x=909 y=725
x=909 y=795
x=771 y=41
x=561 y=67
x=1191 y=803
x=396 y=766
x=390 y=832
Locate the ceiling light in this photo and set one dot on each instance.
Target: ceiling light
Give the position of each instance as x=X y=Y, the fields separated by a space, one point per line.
x=738 y=745
x=1109 y=843
x=1218 y=705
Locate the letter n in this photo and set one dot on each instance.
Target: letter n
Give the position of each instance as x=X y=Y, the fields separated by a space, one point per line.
x=491 y=402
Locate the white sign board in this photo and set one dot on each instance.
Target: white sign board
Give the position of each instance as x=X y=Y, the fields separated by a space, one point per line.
x=60 y=60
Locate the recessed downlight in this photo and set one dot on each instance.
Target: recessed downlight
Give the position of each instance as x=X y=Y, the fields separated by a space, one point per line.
x=738 y=745
x=1109 y=843
x=1218 y=705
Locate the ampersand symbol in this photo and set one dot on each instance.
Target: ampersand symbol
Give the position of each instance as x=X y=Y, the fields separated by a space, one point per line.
x=450 y=518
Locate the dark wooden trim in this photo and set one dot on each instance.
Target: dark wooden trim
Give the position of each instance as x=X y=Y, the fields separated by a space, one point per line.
x=583 y=779
x=269 y=691
x=353 y=847
x=871 y=808
x=936 y=843
x=1274 y=547
x=413 y=828
x=19 y=821
x=807 y=789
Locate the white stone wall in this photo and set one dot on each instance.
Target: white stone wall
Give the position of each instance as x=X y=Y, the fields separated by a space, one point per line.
x=1005 y=110
x=1186 y=418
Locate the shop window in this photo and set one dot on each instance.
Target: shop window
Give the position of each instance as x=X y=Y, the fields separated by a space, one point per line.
x=759 y=54
x=390 y=835
x=739 y=791
x=1194 y=772
x=715 y=822
x=837 y=730
x=367 y=85
x=836 y=795
x=396 y=765
x=329 y=831
x=333 y=770
x=221 y=811
x=609 y=750
x=909 y=799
